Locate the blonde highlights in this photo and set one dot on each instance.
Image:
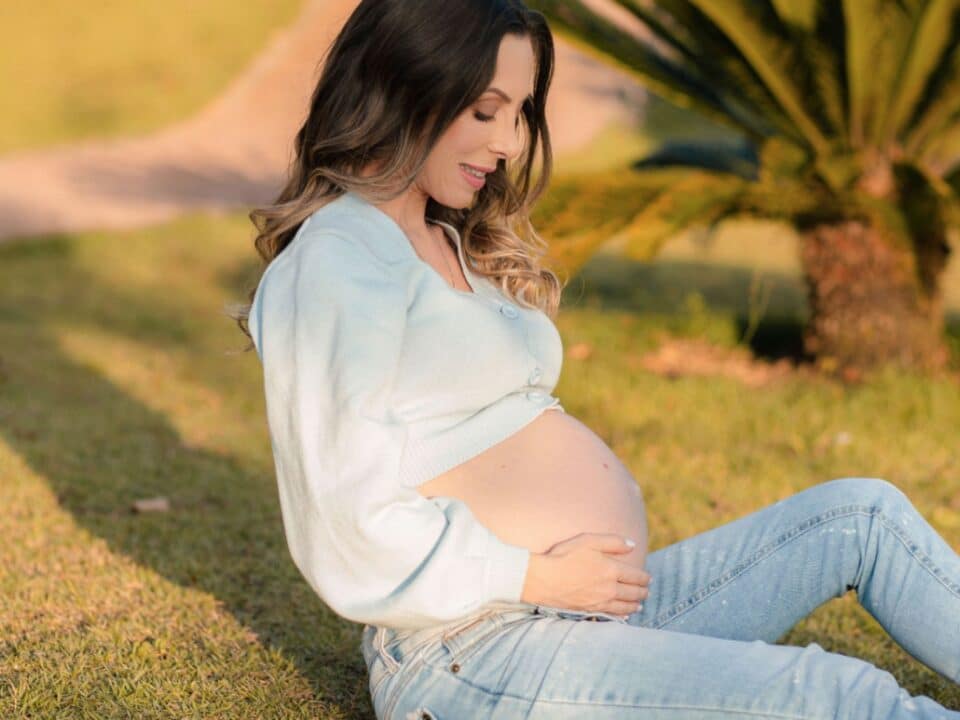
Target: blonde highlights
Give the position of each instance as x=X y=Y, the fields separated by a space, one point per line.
x=376 y=105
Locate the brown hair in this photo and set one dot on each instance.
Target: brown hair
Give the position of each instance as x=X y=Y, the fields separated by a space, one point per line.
x=396 y=76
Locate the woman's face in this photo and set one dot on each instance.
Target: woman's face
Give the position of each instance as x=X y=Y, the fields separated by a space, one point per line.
x=486 y=131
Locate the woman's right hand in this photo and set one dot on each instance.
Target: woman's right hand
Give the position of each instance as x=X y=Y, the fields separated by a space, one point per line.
x=584 y=573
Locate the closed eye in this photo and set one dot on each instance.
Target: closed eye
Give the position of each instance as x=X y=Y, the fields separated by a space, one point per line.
x=487 y=118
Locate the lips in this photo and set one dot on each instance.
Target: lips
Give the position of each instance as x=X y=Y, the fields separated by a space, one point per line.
x=473 y=180
x=479 y=168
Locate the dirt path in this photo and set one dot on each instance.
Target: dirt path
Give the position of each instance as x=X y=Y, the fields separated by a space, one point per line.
x=233 y=153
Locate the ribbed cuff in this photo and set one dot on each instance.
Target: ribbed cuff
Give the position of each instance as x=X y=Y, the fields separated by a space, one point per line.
x=506 y=570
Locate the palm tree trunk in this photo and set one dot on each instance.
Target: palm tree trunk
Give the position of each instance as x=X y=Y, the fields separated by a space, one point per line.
x=870 y=305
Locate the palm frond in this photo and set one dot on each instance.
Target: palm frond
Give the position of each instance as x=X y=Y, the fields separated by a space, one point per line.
x=942 y=154
x=702 y=47
x=737 y=159
x=610 y=200
x=756 y=31
x=930 y=207
x=953 y=180
x=783 y=200
x=801 y=14
x=782 y=159
x=821 y=48
x=930 y=40
x=666 y=29
x=938 y=108
x=823 y=90
x=677 y=83
x=840 y=170
x=877 y=39
x=699 y=198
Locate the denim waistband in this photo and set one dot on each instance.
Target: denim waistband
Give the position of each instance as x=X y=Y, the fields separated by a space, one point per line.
x=377 y=639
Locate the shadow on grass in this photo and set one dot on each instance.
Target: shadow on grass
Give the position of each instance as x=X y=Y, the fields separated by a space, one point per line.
x=693 y=298
x=99 y=449
x=766 y=311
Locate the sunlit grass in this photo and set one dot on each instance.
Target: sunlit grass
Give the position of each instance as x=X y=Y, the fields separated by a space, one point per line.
x=116 y=383
x=73 y=70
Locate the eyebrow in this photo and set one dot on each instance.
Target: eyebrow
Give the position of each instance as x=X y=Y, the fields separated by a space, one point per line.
x=506 y=97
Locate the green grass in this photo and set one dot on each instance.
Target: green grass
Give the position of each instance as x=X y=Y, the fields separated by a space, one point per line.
x=116 y=383
x=122 y=68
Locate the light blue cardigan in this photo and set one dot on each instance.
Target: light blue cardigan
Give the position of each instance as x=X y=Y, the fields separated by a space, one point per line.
x=378 y=375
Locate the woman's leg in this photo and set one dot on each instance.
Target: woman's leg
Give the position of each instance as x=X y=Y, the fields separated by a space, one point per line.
x=756 y=577
x=528 y=667
x=701 y=647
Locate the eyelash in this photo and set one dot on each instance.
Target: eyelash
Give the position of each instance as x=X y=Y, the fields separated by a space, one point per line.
x=487 y=118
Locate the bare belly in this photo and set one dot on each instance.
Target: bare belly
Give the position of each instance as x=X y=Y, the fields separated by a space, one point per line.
x=548 y=482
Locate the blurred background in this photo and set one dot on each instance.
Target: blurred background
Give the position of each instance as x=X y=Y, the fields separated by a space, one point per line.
x=755 y=203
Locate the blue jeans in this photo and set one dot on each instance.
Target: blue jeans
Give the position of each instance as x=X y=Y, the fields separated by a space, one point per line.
x=702 y=645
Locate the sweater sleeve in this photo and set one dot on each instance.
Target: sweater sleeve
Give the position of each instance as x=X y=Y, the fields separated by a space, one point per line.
x=328 y=323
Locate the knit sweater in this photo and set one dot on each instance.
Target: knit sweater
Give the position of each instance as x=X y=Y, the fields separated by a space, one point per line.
x=378 y=376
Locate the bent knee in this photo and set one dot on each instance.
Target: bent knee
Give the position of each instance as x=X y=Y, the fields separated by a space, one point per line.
x=872 y=491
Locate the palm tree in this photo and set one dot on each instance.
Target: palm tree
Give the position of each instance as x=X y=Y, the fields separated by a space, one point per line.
x=847 y=109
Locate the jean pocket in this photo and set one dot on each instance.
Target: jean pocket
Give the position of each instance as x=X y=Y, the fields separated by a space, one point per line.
x=460 y=643
x=396 y=686
x=376 y=679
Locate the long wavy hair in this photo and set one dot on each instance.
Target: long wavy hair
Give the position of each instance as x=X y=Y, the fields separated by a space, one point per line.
x=395 y=78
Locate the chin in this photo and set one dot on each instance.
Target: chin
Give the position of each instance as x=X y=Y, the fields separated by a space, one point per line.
x=453 y=203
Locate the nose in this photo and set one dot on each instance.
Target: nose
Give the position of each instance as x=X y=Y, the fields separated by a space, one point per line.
x=506 y=141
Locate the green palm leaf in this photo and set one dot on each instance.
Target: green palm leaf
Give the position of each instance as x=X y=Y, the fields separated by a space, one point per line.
x=852 y=110
x=816 y=28
x=752 y=27
x=939 y=109
x=718 y=62
x=930 y=40
x=679 y=84
x=799 y=13
x=699 y=198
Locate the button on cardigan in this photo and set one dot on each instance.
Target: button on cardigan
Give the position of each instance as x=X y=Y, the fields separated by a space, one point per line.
x=378 y=376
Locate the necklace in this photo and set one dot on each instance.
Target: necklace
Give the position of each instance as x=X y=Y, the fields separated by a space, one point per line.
x=449 y=269
x=447 y=262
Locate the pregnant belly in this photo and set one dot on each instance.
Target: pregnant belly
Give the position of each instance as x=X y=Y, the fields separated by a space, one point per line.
x=547 y=482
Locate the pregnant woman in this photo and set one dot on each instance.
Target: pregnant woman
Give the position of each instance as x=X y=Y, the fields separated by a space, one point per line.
x=433 y=489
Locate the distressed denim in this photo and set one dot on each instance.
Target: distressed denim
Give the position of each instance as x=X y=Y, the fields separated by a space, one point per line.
x=703 y=644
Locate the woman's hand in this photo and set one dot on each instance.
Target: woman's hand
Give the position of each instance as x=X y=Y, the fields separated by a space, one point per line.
x=583 y=573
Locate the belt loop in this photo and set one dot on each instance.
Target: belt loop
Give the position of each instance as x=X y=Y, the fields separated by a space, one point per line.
x=468 y=622
x=390 y=661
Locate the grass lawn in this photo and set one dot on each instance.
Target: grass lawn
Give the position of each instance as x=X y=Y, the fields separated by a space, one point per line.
x=122 y=68
x=119 y=381
x=118 y=384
